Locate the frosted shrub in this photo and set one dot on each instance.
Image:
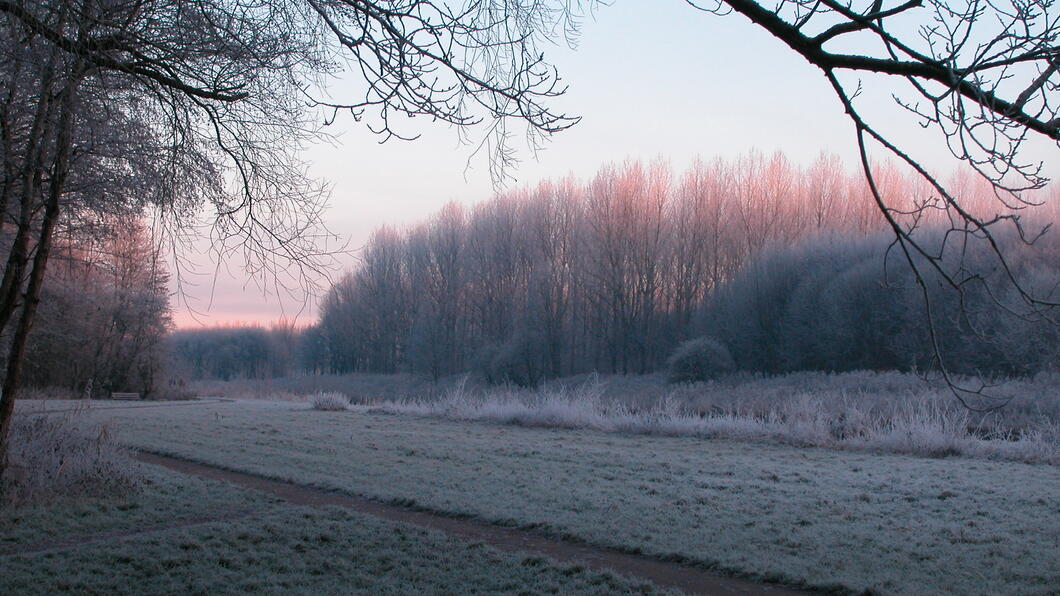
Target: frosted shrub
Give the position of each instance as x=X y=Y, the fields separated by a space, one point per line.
x=700 y=359
x=924 y=430
x=62 y=457
x=330 y=402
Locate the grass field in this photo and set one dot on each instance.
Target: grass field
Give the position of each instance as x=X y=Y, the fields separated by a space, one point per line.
x=886 y=523
x=183 y=535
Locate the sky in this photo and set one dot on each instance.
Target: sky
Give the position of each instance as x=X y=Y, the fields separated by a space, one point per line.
x=661 y=82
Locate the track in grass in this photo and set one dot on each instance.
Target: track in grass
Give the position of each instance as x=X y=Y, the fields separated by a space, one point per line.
x=692 y=580
x=79 y=541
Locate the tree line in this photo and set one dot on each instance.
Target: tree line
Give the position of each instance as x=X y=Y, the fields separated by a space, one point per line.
x=237 y=352
x=613 y=274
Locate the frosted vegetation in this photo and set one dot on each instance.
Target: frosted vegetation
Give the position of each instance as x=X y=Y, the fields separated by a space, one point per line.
x=889 y=523
x=64 y=457
x=330 y=401
x=926 y=423
x=861 y=410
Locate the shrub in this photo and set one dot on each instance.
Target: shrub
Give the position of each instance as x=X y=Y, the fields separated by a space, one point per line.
x=700 y=359
x=55 y=457
x=519 y=360
x=331 y=402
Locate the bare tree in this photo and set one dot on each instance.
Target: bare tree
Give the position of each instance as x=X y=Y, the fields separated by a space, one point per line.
x=124 y=105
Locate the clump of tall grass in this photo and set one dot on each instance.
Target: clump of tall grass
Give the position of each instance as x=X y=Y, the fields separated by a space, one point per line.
x=330 y=402
x=59 y=457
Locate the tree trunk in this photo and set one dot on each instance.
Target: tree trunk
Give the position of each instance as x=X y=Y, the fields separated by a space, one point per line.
x=17 y=353
x=32 y=174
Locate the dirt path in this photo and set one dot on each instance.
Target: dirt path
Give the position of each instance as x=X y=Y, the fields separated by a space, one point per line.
x=692 y=580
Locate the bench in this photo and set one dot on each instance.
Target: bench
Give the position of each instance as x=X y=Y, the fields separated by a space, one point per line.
x=125 y=396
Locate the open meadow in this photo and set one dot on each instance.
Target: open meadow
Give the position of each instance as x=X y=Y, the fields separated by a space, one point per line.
x=830 y=519
x=186 y=535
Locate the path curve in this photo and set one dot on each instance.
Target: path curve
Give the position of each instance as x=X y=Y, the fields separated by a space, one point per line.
x=689 y=579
